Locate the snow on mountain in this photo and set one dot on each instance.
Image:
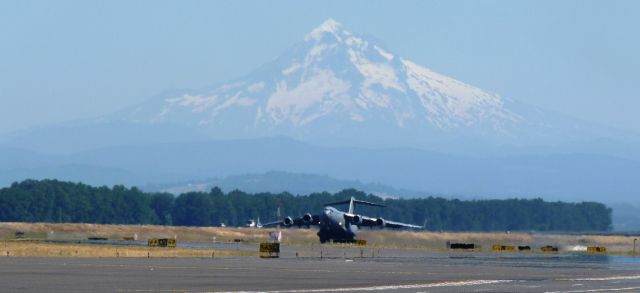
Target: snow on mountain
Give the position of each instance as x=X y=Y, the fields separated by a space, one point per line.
x=337 y=84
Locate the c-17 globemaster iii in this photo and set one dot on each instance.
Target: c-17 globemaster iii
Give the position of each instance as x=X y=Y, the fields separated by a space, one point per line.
x=340 y=226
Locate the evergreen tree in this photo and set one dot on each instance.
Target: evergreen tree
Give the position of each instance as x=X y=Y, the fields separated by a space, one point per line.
x=61 y=202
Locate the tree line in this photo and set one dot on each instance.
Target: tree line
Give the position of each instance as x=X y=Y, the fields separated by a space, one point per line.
x=67 y=202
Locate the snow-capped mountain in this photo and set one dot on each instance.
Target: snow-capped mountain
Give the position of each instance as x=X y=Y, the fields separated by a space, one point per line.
x=338 y=84
x=355 y=110
x=335 y=87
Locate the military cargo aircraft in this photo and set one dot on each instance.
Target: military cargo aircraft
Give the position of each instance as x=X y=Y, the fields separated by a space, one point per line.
x=340 y=226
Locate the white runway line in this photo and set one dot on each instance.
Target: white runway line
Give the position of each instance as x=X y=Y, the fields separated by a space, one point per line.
x=384 y=288
x=597 y=290
x=636 y=277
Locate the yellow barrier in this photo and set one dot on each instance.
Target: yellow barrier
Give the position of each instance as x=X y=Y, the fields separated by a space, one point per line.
x=269 y=250
x=596 y=249
x=462 y=246
x=162 y=242
x=270 y=247
x=503 y=248
x=361 y=242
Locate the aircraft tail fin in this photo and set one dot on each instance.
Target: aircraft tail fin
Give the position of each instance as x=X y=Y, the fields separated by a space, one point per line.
x=366 y=203
x=352 y=202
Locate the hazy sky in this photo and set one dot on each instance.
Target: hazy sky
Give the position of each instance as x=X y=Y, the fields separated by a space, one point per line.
x=63 y=60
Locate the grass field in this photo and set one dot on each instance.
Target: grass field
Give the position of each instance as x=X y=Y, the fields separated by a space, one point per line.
x=41 y=249
x=29 y=234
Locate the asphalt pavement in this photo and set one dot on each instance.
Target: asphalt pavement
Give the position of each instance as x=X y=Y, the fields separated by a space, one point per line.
x=338 y=270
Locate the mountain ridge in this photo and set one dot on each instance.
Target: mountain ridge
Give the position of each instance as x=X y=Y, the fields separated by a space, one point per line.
x=280 y=181
x=552 y=176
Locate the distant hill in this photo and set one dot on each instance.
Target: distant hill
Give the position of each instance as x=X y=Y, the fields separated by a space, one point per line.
x=554 y=177
x=626 y=217
x=278 y=181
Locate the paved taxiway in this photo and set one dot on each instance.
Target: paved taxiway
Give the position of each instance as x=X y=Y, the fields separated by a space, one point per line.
x=390 y=271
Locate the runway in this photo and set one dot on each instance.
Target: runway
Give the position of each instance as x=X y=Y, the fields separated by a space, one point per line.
x=392 y=271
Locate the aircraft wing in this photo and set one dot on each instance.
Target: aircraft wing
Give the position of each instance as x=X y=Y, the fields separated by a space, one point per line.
x=306 y=221
x=398 y=225
x=365 y=221
x=272 y=224
x=368 y=222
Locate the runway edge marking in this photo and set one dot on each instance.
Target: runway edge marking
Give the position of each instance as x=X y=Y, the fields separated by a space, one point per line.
x=635 y=277
x=383 y=288
x=596 y=290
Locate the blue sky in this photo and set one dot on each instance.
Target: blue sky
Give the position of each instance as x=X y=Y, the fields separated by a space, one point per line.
x=62 y=60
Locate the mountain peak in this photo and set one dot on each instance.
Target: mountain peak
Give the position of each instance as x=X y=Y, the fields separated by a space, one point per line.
x=329 y=26
x=339 y=84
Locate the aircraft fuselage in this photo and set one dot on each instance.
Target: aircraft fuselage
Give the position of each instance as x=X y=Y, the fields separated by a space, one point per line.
x=335 y=226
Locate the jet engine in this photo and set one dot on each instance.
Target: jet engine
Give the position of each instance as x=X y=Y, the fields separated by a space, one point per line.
x=381 y=222
x=288 y=221
x=307 y=218
x=357 y=219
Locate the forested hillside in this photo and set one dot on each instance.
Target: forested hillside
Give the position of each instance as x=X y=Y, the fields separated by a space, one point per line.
x=56 y=201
